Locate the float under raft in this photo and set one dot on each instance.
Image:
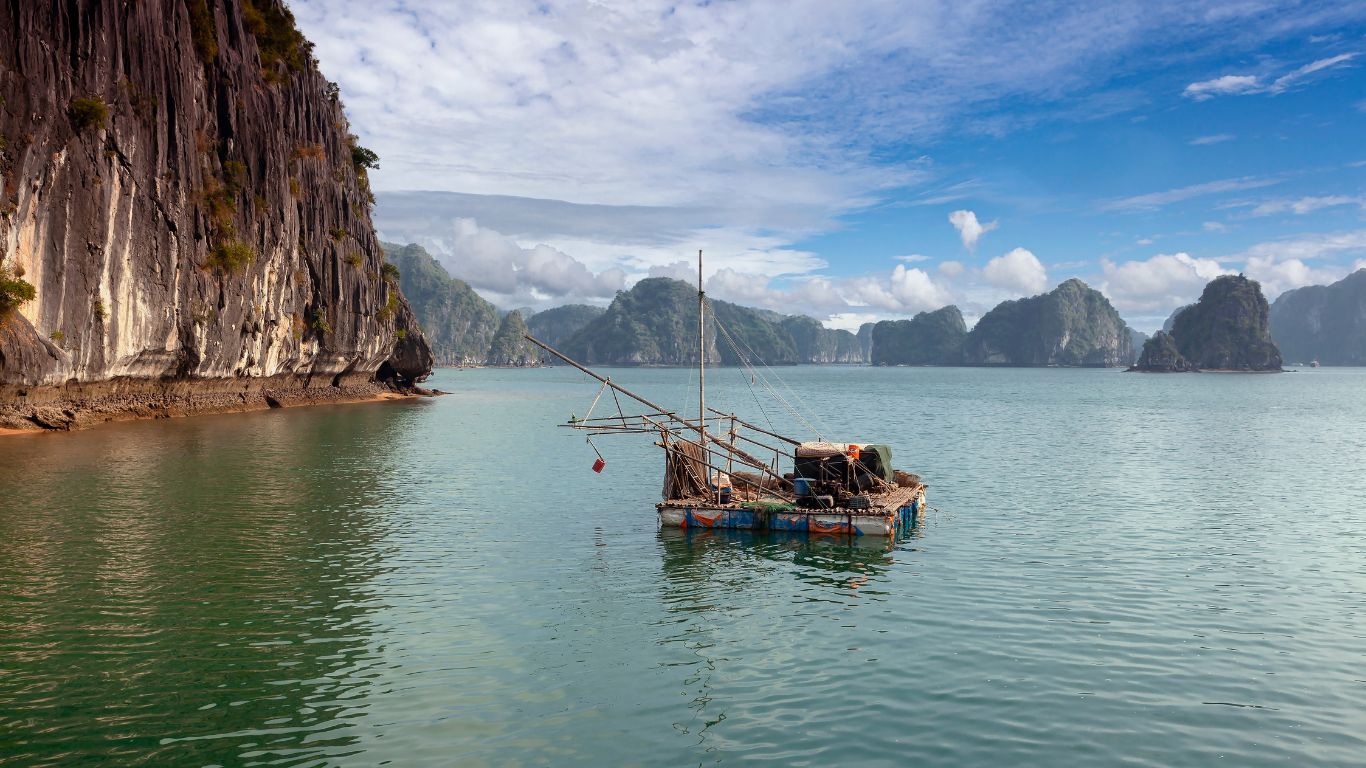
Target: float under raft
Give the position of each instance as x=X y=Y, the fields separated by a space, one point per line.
x=887 y=514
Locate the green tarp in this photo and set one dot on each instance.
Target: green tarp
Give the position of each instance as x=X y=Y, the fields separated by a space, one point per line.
x=880 y=463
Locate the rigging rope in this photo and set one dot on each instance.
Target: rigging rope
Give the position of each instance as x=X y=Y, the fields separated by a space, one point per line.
x=745 y=360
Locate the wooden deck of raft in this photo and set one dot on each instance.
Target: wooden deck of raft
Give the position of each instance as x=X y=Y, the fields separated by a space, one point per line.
x=888 y=514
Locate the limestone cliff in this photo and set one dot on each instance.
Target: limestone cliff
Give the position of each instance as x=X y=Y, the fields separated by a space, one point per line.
x=655 y=323
x=178 y=185
x=1072 y=325
x=459 y=323
x=1161 y=355
x=1326 y=323
x=1227 y=329
x=929 y=338
x=510 y=347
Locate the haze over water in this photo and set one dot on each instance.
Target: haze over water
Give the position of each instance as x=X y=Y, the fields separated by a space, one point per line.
x=1141 y=569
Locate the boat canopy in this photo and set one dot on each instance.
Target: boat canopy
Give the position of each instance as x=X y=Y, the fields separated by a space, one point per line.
x=882 y=464
x=821 y=450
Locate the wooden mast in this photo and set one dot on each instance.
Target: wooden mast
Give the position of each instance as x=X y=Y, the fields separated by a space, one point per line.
x=702 y=365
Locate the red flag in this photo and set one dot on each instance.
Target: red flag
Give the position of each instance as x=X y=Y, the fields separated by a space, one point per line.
x=598 y=465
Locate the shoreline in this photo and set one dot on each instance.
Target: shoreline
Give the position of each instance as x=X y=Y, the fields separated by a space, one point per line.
x=138 y=401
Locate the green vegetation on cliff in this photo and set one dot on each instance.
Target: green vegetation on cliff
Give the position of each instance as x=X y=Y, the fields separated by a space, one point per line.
x=655 y=323
x=459 y=323
x=1160 y=355
x=556 y=325
x=1323 y=322
x=817 y=344
x=1072 y=325
x=929 y=338
x=1228 y=328
x=509 y=347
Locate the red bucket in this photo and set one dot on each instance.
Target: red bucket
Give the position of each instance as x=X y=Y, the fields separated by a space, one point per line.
x=598 y=465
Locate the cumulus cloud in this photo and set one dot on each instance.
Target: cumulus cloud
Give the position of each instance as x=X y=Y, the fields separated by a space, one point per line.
x=513 y=274
x=969 y=228
x=1018 y=270
x=951 y=269
x=1278 y=277
x=904 y=291
x=1158 y=284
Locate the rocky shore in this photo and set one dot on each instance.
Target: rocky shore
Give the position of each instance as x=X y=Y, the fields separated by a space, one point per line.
x=42 y=409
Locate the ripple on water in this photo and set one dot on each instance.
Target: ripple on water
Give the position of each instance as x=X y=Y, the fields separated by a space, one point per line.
x=1139 y=570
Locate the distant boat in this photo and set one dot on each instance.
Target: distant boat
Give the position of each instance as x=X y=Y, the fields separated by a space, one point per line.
x=1314 y=363
x=834 y=487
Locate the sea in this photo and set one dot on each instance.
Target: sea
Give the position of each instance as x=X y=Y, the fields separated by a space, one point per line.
x=1116 y=569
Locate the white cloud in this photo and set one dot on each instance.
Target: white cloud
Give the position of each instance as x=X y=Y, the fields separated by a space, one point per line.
x=1154 y=200
x=969 y=228
x=513 y=275
x=1160 y=283
x=1214 y=226
x=1145 y=241
x=1309 y=247
x=1278 y=277
x=1018 y=270
x=1286 y=81
x=1221 y=86
x=1218 y=138
x=1306 y=204
x=1244 y=84
x=914 y=258
x=951 y=269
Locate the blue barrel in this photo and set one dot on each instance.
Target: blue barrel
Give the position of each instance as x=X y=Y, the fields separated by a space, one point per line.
x=801 y=486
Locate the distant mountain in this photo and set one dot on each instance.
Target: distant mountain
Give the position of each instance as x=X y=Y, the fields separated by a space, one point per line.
x=865 y=340
x=458 y=323
x=1136 y=341
x=509 y=347
x=817 y=344
x=655 y=323
x=1073 y=325
x=1171 y=319
x=1226 y=330
x=556 y=325
x=929 y=338
x=1323 y=322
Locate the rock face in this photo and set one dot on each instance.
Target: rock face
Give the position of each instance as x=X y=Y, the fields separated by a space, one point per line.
x=1073 y=325
x=1160 y=355
x=817 y=344
x=1137 y=340
x=178 y=185
x=458 y=323
x=509 y=347
x=1170 y=322
x=929 y=338
x=1323 y=322
x=865 y=340
x=655 y=323
x=556 y=325
x=1227 y=330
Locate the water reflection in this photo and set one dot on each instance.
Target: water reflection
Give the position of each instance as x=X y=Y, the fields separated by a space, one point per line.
x=715 y=578
x=191 y=593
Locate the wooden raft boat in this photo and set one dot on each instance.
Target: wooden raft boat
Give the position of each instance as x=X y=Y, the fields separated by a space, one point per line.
x=714 y=476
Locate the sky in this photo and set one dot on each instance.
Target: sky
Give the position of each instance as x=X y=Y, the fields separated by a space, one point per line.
x=861 y=161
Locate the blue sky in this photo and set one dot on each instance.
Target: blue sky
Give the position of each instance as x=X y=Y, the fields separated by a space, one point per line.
x=860 y=161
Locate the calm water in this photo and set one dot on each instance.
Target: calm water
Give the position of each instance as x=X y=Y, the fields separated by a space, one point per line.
x=1129 y=569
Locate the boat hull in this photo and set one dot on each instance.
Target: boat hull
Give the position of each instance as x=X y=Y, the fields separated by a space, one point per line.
x=879 y=521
